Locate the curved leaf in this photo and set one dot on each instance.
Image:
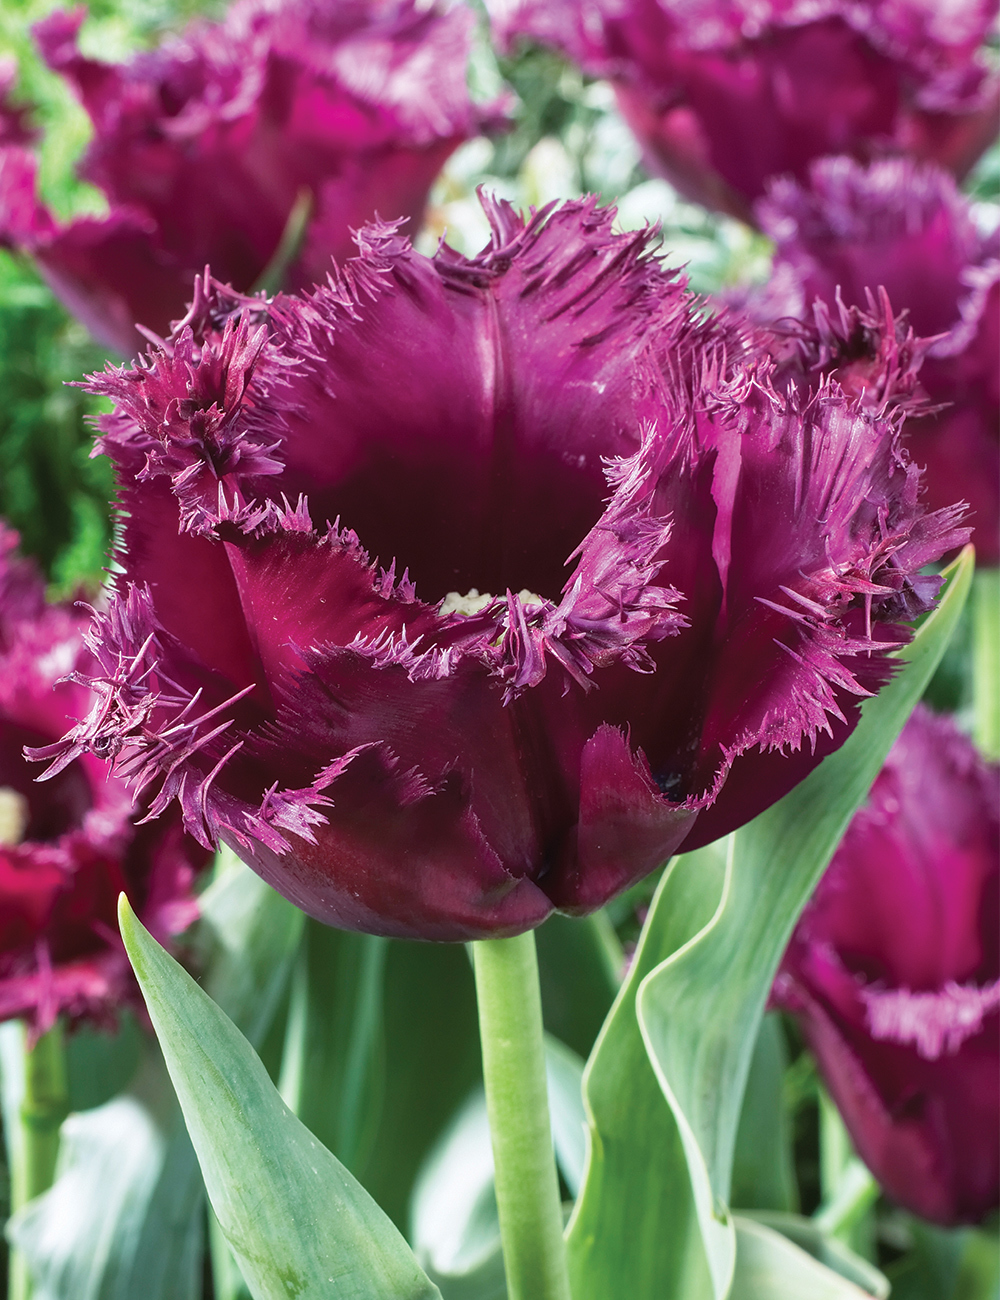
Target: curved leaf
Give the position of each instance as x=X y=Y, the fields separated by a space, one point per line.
x=699 y=1011
x=298 y=1223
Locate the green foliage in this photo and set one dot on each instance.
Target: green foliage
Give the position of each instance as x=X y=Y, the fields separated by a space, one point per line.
x=297 y=1222
x=51 y=491
x=694 y=998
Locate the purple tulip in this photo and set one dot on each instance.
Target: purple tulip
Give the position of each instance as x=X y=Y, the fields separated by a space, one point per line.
x=14 y=126
x=69 y=847
x=641 y=594
x=723 y=96
x=207 y=146
x=905 y=228
x=894 y=975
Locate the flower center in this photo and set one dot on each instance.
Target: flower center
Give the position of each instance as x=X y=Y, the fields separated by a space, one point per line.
x=472 y=602
x=13 y=816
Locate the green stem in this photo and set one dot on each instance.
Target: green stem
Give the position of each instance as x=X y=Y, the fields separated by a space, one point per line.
x=44 y=1106
x=527 y=1186
x=986 y=660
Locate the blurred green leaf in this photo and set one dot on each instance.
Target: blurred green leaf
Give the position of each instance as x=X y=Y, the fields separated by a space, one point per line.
x=296 y=1220
x=807 y=1234
x=454 y=1224
x=579 y=962
x=771 y=1267
x=125 y=1216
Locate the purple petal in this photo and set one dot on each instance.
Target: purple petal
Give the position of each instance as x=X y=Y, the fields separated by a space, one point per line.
x=894 y=971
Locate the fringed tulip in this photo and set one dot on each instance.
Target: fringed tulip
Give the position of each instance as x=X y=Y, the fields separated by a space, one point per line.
x=894 y=975
x=566 y=584
x=906 y=229
x=723 y=96
x=70 y=846
x=252 y=145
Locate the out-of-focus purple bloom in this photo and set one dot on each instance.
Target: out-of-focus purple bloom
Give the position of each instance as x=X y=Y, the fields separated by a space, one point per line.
x=688 y=582
x=14 y=127
x=906 y=228
x=894 y=975
x=724 y=95
x=206 y=146
x=68 y=847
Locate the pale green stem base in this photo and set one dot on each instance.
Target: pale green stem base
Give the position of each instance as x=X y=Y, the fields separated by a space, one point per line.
x=527 y=1186
x=44 y=1106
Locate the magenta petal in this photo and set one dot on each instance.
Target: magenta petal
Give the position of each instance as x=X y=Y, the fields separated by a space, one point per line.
x=725 y=96
x=905 y=231
x=894 y=974
x=78 y=845
x=206 y=146
x=462 y=588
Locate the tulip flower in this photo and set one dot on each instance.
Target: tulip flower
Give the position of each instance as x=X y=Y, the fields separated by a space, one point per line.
x=68 y=847
x=14 y=126
x=905 y=228
x=893 y=974
x=724 y=96
x=565 y=583
x=257 y=141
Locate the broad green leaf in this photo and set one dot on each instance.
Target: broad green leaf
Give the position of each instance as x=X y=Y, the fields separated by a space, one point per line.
x=763 y=1168
x=382 y=1047
x=700 y=1009
x=331 y=1070
x=770 y=1267
x=125 y=1214
x=808 y=1236
x=298 y=1223
x=633 y=1230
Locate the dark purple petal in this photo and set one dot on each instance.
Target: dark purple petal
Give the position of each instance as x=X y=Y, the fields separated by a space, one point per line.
x=894 y=973
x=571 y=578
x=68 y=847
x=207 y=147
x=906 y=231
x=724 y=96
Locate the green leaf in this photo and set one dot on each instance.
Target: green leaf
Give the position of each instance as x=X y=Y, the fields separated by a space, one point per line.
x=579 y=965
x=298 y=1223
x=455 y=1228
x=633 y=1229
x=699 y=1011
x=652 y=1217
x=125 y=1214
x=835 y=1254
x=382 y=1047
x=770 y=1267
x=763 y=1168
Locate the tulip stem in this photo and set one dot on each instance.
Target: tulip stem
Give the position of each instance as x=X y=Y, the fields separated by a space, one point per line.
x=527 y=1186
x=34 y=1147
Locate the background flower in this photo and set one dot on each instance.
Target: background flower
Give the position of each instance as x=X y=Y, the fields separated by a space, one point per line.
x=894 y=975
x=905 y=227
x=724 y=96
x=549 y=424
x=214 y=147
x=70 y=846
